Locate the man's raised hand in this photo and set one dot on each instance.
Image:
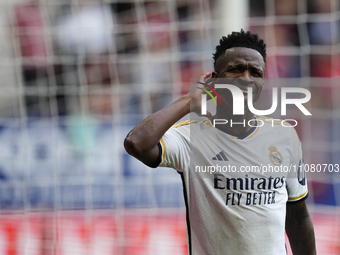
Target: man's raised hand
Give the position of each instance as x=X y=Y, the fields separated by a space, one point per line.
x=196 y=94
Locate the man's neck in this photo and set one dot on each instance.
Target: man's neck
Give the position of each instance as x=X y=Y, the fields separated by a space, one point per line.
x=237 y=124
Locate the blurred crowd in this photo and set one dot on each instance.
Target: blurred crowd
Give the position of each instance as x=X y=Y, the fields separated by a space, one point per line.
x=121 y=55
x=303 y=25
x=148 y=51
x=136 y=56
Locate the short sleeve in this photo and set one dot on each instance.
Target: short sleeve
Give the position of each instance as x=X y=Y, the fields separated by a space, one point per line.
x=296 y=179
x=175 y=148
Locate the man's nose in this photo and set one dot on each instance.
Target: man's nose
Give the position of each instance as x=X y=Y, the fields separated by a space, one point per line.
x=245 y=78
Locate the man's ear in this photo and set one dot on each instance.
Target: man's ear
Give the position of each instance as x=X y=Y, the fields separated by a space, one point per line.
x=214 y=74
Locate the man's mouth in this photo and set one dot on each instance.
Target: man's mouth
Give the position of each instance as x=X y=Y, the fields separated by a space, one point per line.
x=246 y=94
x=245 y=91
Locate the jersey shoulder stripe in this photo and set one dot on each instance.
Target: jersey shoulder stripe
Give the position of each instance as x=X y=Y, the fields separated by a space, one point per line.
x=183 y=123
x=294 y=199
x=180 y=129
x=163 y=149
x=189 y=122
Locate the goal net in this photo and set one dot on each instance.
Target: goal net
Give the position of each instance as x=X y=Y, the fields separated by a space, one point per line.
x=78 y=75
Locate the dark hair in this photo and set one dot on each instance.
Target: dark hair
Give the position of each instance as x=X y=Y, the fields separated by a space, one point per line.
x=240 y=39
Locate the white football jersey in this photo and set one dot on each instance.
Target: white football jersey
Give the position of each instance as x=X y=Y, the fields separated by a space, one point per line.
x=236 y=187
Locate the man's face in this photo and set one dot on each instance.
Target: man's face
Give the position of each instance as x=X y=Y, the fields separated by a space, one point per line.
x=242 y=67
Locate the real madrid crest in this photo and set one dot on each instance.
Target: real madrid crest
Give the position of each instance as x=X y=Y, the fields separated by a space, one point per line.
x=275 y=156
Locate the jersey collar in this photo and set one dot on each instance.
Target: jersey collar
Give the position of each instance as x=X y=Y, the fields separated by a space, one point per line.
x=249 y=134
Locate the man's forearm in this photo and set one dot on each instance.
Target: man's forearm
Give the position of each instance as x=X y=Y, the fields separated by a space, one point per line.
x=145 y=136
x=300 y=231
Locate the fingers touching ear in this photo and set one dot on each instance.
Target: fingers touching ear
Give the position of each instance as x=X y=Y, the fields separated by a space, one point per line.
x=214 y=74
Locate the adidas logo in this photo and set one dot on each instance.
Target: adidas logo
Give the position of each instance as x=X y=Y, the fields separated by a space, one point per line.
x=221 y=157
